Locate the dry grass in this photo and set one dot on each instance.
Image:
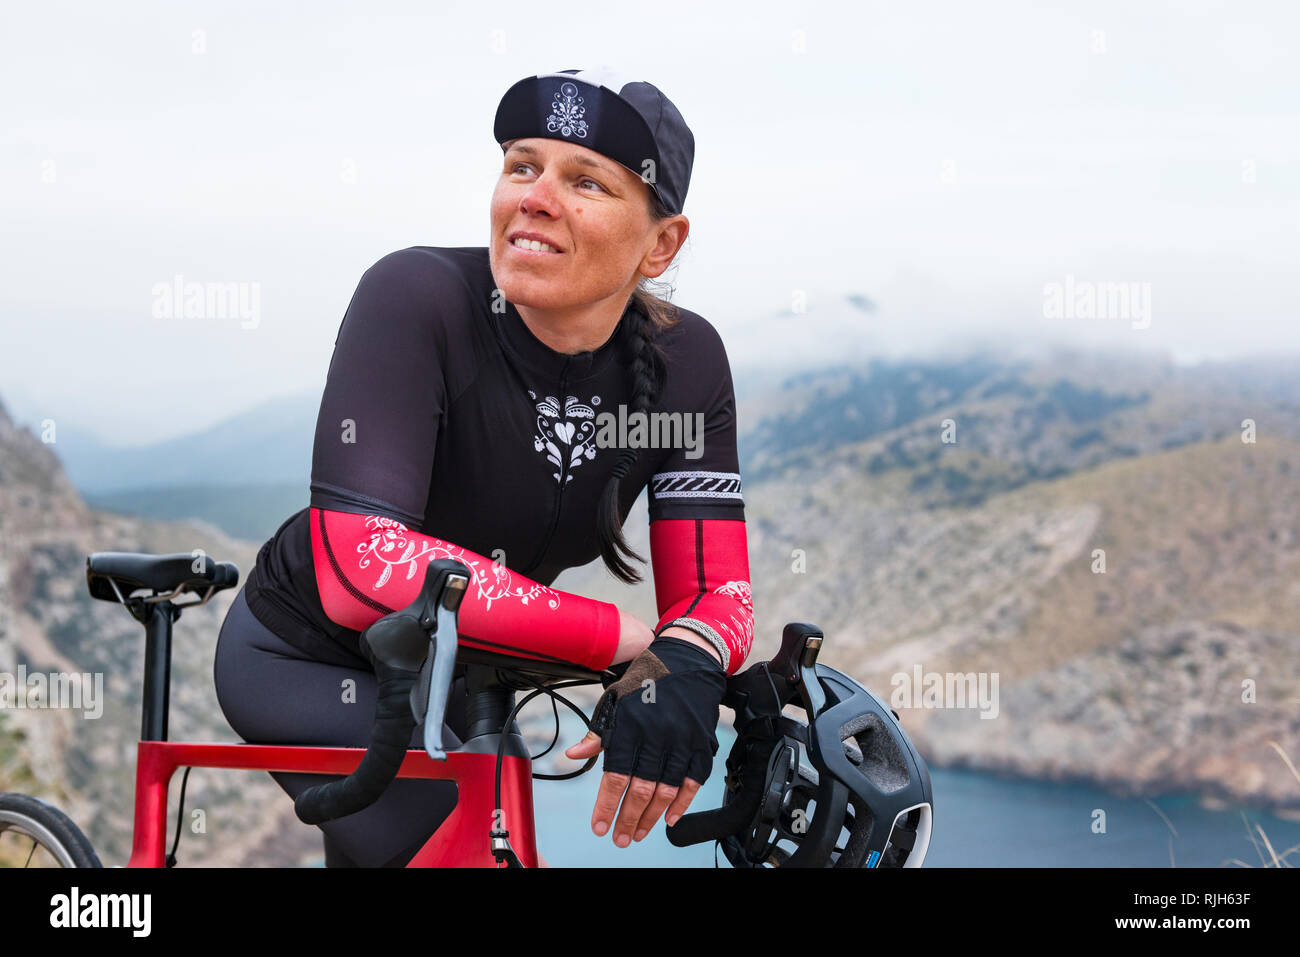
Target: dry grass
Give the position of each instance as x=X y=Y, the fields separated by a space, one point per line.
x=1268 y=857
x=1273 y=858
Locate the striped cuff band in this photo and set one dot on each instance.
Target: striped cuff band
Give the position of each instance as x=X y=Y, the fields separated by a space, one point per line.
x=705 y=632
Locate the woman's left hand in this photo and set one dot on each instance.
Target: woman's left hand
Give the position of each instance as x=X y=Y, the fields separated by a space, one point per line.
x=656 y=725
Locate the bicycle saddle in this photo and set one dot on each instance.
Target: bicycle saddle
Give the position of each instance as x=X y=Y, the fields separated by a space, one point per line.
x=112 y=576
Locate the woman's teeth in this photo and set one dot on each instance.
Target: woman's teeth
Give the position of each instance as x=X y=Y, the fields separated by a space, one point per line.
x=534 y=245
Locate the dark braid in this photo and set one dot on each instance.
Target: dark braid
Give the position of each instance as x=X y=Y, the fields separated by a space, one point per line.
x=650 y=315
x=646 y=357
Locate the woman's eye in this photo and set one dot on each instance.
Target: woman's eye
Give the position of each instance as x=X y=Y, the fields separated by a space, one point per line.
x=524 y=166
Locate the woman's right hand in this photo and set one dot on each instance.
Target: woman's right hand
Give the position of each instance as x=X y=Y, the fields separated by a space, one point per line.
x=634 y=637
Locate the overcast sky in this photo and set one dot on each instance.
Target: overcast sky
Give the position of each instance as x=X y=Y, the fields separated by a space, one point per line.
x=948 y=161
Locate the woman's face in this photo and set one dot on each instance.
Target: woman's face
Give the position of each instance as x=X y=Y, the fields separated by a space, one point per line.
x=595 y=214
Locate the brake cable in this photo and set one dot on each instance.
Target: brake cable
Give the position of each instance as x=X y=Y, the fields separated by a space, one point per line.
x=180 y=813
x=500 y=835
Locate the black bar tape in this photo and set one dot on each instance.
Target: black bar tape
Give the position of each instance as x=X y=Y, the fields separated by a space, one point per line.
x=390 y=739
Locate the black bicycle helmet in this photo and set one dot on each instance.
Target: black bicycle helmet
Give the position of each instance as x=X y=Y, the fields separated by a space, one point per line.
x=844 y=788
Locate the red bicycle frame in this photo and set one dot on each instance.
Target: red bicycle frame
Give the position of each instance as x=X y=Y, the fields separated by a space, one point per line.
x=464 y=839
x=461 y=840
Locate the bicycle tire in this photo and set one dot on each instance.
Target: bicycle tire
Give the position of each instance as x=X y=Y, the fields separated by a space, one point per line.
x=48 y=828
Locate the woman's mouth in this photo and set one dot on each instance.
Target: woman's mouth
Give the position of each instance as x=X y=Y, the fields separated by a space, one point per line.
x=533 y=247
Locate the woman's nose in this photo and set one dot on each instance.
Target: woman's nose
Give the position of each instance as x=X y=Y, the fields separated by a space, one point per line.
x=540 y=195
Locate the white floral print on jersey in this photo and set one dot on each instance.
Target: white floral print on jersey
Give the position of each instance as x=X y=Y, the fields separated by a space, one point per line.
x=742 y=627
x=567 y=438
x=390 y=544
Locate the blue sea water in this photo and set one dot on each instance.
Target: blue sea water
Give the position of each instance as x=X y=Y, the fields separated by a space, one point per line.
x=980 y=820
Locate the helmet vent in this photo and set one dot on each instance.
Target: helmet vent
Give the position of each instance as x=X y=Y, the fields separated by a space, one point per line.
x=873 y=751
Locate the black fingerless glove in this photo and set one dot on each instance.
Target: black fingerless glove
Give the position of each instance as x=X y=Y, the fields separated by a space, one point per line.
x=657 y=722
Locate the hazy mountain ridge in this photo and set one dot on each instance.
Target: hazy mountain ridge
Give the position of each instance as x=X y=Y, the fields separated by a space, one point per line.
x=964 y=430
x=269 y=443
x=251 y=511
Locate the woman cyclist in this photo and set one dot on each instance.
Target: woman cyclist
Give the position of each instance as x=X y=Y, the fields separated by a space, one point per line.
x=463 y=417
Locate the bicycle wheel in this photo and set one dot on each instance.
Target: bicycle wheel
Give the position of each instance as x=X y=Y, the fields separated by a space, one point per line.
x=36 y=834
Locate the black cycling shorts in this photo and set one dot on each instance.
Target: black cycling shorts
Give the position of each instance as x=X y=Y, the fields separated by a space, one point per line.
x=271 y=693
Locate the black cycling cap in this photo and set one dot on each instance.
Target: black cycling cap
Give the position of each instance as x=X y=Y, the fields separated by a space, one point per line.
x=630 y=121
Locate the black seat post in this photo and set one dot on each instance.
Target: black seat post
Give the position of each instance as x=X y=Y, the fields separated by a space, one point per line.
x=158 y=618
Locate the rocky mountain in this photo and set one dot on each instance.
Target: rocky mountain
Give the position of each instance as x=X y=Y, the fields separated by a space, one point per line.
x=1101 y=533
x=1142 y=617
x=85 y=764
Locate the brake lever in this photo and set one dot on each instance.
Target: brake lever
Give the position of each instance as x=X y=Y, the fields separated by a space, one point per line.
x=432 y=687
x=421 y=638
x=757 y=696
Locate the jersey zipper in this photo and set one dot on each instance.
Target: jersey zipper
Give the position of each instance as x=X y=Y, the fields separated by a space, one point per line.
x=564 y=480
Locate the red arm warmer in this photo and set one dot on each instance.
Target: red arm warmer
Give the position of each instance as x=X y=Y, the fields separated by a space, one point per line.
x=701 y=571
x=369 y=565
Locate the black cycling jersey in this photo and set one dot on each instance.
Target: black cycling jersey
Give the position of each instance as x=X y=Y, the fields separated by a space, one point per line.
x=443 y=411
